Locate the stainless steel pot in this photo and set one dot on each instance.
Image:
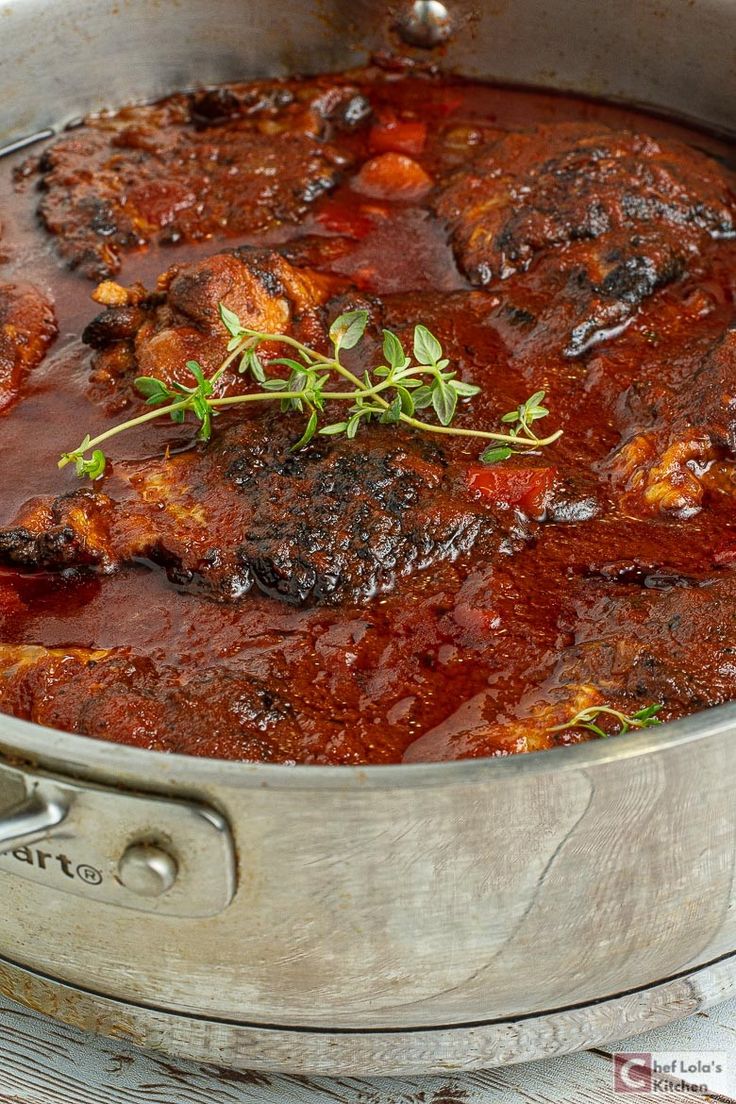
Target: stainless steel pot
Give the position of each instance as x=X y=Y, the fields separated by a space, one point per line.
x=389 y=918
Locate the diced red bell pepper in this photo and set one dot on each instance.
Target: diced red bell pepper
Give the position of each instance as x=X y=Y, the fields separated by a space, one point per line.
x=392 y=176
x=393 y=136
x=527 y=488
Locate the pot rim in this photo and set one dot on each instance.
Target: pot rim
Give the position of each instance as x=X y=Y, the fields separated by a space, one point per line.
x=80 y=754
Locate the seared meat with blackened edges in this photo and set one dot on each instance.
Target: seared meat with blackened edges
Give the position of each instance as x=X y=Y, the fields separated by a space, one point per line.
x=327 y=525
x=127 y=698
x=179 y=172
x=609 y=216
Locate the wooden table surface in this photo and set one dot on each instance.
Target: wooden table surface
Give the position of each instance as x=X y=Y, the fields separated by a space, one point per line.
x=42 y=1062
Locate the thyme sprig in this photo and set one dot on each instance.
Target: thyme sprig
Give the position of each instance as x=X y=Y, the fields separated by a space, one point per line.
x=391 y=393
x=520 y=421
x=587 y=718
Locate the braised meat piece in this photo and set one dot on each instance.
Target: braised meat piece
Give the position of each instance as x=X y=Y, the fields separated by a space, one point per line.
x=27 y=328
x=165 y=173
x=156 y=334
x=673 y=647
x=535 y=192
x=116 y=695
x=330 y=524
x=609 y=217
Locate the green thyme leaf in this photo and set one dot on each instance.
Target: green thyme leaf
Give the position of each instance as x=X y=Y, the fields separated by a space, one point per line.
x=494 y=455
x=444 y=401
x=423 y=397
x=251 y=362
x=93 y=468
x=196 y=370
x=406 y=400
x=392 y=414
x=205 y=430
x=393 y=350
x=649 y=713
x=152 y=388
x=347 y=330
x=308 y=434
x=427 y=349
x=465 y=390
x=230 y=321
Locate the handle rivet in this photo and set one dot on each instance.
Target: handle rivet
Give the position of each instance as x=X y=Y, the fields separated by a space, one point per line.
x=147 y=871
x=425 y=23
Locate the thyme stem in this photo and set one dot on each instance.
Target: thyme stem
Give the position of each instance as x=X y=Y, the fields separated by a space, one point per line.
x=588 y=718
x=390 y=393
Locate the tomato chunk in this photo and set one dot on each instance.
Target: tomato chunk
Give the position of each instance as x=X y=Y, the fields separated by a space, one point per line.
x=392 y=176
x=393 y=136
x=527 y=488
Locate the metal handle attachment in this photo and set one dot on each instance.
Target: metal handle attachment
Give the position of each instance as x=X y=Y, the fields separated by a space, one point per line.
x=136 y=850
x=31 y=820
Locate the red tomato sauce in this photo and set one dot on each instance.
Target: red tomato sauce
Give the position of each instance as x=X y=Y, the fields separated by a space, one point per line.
x=611 y=578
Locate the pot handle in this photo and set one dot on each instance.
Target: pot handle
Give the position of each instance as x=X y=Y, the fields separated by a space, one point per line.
x=31 y=820
x=143 y=851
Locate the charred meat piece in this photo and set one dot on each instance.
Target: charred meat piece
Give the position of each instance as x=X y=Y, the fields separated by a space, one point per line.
x=328 y=525
x=156 y=334
x=673 y=648
x=605 y=217
x=604 y=288
x=157 y=174
x=535 y=192
x=27 y=328
x=316 y=107
x=116 y=695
